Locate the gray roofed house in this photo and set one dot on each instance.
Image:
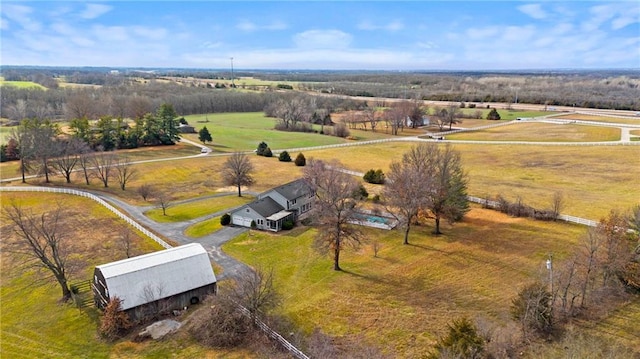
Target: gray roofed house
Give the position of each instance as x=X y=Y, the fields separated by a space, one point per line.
x=158 y=281
x=275 y=206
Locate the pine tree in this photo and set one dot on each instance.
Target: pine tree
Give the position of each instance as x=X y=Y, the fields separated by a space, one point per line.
x=204 y=136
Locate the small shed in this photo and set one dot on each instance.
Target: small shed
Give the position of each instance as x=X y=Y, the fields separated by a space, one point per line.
x=156 y=282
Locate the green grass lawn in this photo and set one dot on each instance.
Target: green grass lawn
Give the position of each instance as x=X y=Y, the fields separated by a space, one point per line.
x=22 y=84
x=198 y=208
x=541 y=132
x=402 y=300
x=203 y=228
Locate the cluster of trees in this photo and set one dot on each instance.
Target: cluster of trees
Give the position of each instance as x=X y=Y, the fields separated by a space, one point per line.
x=428 y=182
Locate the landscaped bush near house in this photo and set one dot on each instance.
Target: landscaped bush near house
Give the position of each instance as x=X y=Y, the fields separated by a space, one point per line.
x=286 y=225
x=225 y=220
x=284 y=157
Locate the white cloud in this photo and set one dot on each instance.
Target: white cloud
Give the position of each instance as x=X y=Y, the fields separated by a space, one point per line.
x=249 y=26
x=21 y=15
x=533 y=10
x=4 y=24
x=483 y=33
x=110 y=33
x=210 y=45
x=151 y=33
x=367 y=25
x=426 y=45
x=322 y=39
x=518 y=33
x=93 y=11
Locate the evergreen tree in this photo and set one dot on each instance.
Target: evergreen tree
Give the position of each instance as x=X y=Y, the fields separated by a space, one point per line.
x=284 y=157
x=493 y=115
x=300 y=161
x=262 y=147
x=204 y=136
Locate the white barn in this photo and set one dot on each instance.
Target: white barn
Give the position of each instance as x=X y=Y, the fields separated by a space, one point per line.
x=158 y=281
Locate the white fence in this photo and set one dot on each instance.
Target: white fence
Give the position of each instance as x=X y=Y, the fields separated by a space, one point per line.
x=74 y=192
x=563 y=217
x=274 y=335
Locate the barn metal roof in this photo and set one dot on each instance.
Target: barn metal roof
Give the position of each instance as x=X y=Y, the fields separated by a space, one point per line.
x=158 y=275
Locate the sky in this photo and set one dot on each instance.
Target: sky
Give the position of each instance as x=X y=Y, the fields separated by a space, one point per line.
x=323 y=35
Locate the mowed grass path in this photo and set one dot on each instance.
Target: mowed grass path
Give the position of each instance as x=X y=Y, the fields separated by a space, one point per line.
x=196 y=209
x=402 y=300
x=541 y=132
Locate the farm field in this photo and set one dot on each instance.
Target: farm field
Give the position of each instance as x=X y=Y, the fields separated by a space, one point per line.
x=199 y=208
x=21 y=84
x=531 y=172
x=596 y=118
x=402 y=300
x=541 y=132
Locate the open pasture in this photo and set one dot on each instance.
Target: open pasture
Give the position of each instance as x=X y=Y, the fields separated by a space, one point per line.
x=541 y=132
x=22 y=84
x=402 y=300
x=593 y=179
x=596 y=118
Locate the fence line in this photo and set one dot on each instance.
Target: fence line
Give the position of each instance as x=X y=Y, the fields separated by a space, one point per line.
x=104 y=203
x=274 y=335
x=564 y=217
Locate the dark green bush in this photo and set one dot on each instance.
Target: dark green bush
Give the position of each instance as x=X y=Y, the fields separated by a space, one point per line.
x=225 y=220
x=374 y=176
x=284 y=157
x=300 y=161
x=286 y=225
x=262 y=147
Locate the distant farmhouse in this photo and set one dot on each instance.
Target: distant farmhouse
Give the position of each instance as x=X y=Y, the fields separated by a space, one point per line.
x=274 y=207
x=185 y=128
x=156 y=282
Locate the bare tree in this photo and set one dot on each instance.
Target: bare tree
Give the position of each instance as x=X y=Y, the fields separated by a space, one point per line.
x=395 y=118
x=557 y=204
x=370 y=115
x=164 y=200
x=70 y=151
x=447 y=195
x=334 y=207
x=427 y=181
x=80 y=105
x=125 y=241
x=237 y=170
x=124 y=171
x=43 y=238
x=103 y=164
x=146 y=191
x=407 y=185
x=84 y=161
x=292 y=111
x=254 y=290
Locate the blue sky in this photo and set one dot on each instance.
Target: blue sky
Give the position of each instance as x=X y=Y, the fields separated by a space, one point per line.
x=373 y=35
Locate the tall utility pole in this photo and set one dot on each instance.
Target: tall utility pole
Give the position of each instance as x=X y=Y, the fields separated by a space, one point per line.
x=232 y=84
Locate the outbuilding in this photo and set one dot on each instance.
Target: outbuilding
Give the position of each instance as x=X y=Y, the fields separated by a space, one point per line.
x=156 y=282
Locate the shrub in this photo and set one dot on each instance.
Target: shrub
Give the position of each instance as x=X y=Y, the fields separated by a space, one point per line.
x=374 y=176
x=300 y=161
x=341 y=130
x=532 y=308
x=493 y=115
x=462 y=341
x=268 y=153
x=375 y=198
x=219 y=323
x=472 y=105
x=225 y=220
x=114 y=322
x=284 y=157
x=286 y=225
x=262 y=147
x=361 y=193
x=253 y=225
